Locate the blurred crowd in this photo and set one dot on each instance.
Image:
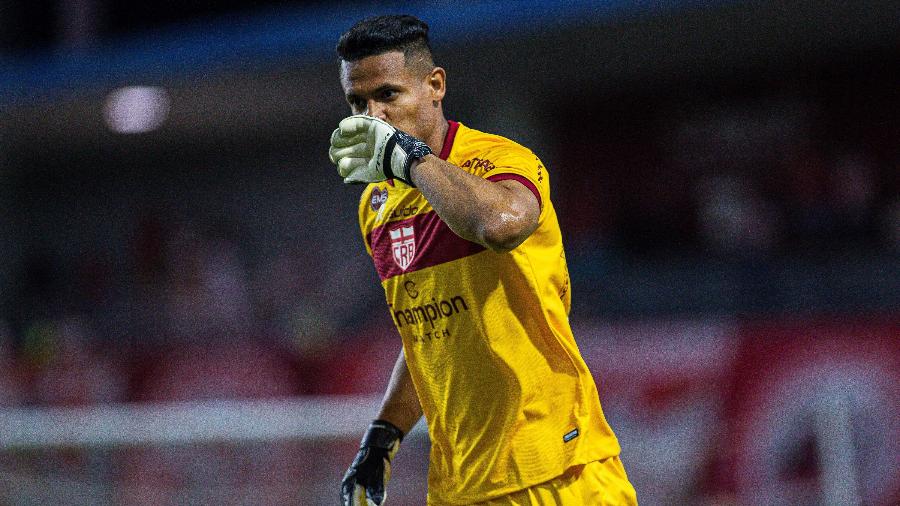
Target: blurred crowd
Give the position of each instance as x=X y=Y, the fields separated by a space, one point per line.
x=760 y=172
x=796 y=188
x=191 y=321
x=750 y=168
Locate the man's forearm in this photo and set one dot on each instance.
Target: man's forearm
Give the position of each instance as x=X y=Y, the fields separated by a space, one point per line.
x=497 y=215
x=400 y=405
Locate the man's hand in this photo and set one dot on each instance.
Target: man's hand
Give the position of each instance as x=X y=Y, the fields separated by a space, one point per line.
x=368 y=150
x=365 y=481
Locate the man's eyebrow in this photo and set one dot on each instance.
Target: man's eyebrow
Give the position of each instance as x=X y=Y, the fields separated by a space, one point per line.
x=387 y=86
x=384 y=87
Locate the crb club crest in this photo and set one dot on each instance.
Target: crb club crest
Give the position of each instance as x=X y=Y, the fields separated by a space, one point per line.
x=379 y=197
x=403 y=245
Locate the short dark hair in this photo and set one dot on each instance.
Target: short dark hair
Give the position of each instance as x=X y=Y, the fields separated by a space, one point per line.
x=381 y=34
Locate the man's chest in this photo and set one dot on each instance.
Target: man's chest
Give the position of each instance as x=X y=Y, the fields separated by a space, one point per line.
x=405 y=234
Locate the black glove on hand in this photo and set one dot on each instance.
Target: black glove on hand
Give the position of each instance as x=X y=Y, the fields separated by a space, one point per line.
x=365 y=481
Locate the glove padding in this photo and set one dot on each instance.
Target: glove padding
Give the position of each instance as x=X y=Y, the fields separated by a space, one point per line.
x=365 y=481
x=368 y=150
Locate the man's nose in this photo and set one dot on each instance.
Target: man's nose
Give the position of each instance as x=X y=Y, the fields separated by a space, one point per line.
x=376 y=110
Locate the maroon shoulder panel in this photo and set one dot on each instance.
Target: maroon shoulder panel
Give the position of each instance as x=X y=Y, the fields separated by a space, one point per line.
x=416 y=243
x=522 y=179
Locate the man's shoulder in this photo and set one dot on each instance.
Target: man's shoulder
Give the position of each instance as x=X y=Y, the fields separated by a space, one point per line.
x=472 y=141
x=480 y=153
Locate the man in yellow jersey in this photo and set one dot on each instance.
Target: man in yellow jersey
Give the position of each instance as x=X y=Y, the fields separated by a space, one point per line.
x=467 y=245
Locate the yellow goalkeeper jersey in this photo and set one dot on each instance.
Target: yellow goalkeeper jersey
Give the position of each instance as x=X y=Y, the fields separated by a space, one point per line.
x=508 y=399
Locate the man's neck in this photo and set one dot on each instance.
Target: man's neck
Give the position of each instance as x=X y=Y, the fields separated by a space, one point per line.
x=436 y=140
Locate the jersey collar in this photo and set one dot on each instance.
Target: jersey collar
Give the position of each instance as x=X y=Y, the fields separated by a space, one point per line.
x=452 y=127
x=448 y=139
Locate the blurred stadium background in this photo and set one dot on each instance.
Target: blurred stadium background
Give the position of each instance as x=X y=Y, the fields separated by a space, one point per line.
x=187 y=315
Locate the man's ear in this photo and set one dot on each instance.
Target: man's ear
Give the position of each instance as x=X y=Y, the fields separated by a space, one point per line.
x=437 y=81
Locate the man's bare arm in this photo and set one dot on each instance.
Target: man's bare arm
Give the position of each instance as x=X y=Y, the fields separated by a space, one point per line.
x=498 y=215
x=400 y=405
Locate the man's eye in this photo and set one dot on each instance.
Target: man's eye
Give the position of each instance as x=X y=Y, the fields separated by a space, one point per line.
x=388 y=94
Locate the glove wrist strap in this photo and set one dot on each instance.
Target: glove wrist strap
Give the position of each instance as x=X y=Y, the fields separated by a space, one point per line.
x=381 y=434
x=412 y=149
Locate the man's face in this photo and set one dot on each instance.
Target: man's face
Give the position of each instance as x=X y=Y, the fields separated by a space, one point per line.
x=383 y=86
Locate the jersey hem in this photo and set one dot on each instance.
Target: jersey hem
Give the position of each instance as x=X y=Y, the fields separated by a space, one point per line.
x=495 y=494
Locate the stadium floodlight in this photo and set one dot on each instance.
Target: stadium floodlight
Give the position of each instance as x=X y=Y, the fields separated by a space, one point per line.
x=136 y=109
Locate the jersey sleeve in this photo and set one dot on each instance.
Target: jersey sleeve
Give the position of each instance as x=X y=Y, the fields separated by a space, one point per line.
x=508 y=160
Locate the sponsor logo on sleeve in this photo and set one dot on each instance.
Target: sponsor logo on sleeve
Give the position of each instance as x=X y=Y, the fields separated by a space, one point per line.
x=477 y=164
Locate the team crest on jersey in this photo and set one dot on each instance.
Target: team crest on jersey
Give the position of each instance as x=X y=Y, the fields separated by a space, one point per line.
x=378 y=198
x=403 y=245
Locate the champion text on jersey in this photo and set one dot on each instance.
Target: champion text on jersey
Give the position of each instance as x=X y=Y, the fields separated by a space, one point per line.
x=429 y=312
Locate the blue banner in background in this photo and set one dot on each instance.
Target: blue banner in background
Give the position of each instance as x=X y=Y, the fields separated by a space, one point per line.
x=296 y=36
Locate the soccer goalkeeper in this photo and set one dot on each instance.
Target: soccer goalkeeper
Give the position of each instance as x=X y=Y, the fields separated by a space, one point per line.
x=466 y=242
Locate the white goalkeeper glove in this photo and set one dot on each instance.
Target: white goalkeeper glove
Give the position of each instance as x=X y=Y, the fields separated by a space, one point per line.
x=368 y=150
x=365 y=481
